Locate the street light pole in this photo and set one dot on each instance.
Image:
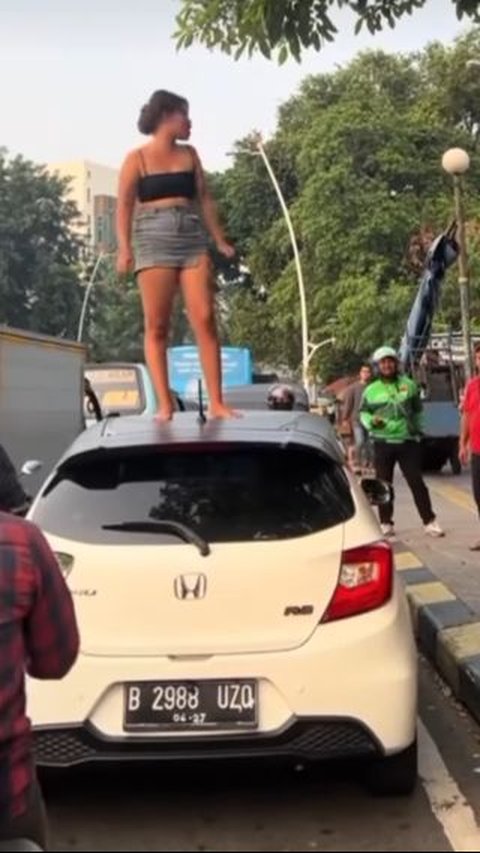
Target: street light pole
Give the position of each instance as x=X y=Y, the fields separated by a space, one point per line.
x=313 y=348
x=312 y=351
x=457 y=163
x=260 y=150
x=463 y=278
x=296 y=254
x=90 y=285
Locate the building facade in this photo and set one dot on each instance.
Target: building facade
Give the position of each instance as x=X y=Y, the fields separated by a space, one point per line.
x=93 y=188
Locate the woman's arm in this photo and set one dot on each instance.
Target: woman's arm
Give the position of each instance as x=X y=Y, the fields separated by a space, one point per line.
x=468 y=404
x=209 y=210
x=127 y=190
x=465 y=438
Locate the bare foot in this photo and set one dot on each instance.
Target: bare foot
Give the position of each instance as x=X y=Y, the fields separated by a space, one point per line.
x=222 y=412
x=164 y=416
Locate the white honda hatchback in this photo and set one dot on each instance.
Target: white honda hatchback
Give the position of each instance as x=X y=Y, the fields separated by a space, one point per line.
x=234 y=599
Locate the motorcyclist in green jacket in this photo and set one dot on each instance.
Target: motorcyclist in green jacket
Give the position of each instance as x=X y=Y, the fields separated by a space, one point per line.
x=391 y=413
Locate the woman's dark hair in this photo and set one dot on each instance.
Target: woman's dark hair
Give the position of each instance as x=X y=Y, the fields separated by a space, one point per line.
x=160 y=105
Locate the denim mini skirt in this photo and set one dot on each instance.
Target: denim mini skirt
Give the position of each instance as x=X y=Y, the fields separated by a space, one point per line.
x=172 y=237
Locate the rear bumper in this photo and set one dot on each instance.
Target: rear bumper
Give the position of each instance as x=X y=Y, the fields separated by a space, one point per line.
x=360 y=673
x=305 y=741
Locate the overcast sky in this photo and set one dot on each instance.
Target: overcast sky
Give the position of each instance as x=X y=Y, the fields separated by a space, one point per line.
x=74 y=75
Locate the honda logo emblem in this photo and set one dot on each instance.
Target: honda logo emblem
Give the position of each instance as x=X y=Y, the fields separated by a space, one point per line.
x=190 y=587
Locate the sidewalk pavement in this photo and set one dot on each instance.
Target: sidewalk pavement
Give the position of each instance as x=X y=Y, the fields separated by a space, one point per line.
x=442 y=577
x=450 y=558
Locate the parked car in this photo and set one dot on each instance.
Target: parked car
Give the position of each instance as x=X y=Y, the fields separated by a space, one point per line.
x=234 y=597
x=120 y=389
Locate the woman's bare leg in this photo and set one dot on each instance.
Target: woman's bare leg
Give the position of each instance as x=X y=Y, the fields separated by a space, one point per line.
x=199 y=301
x=157 y=287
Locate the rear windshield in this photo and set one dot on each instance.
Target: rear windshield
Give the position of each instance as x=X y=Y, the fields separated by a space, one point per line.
x=228 y=494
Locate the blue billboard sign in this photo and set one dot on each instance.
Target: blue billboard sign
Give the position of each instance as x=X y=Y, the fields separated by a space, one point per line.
x=185 y=369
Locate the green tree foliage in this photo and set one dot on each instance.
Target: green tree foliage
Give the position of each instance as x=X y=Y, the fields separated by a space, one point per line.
x=358 y=153
x=288 y=27
x=39 y=253
x=114 y=322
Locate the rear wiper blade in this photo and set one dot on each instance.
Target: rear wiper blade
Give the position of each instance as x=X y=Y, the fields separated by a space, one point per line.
x=163 y=526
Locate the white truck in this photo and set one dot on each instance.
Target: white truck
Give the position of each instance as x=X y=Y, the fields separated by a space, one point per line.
x=41 y=398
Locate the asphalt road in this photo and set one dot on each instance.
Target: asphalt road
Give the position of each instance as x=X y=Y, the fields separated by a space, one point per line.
x=261 y=809
x=212 y=808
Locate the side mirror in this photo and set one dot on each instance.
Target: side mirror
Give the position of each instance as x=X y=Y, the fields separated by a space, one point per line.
x=31 y=467
x=377 y=491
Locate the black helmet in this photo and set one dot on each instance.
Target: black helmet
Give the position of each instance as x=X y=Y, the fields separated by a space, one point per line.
x=281 y=398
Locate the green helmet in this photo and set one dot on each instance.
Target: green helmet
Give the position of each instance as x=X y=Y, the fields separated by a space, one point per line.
x=384 y=352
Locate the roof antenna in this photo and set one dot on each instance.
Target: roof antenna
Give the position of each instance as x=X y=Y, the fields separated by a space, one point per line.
x=202 y=418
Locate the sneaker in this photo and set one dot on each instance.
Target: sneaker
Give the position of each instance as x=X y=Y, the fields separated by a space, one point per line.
x=433 y=529
x=388 y=531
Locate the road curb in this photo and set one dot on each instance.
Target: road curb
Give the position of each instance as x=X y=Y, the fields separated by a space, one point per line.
x=447 y=630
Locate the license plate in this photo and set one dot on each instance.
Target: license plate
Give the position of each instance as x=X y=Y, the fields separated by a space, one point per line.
x=191 y=706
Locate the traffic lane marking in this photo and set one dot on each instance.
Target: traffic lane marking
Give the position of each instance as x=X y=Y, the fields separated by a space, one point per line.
x=448 y=805
x=454 y=814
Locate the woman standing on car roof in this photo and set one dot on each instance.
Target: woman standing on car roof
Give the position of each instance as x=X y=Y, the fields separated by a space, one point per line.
x=165 y=211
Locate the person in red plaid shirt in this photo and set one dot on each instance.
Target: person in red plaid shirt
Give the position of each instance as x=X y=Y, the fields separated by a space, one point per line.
x=38 y=636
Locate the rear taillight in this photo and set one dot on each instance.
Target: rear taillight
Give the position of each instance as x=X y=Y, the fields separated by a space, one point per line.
x=365 y=582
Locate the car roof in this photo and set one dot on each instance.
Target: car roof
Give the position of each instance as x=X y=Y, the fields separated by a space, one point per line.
x=264 y=427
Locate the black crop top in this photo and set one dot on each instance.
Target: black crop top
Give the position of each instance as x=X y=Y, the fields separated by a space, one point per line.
x=167 y=185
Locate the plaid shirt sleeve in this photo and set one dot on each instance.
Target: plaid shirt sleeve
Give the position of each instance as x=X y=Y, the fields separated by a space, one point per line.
x=51 y=631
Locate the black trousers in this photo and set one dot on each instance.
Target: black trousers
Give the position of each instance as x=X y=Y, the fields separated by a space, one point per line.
x=476 y=478
x=11 y=492
x=409 y=457
x=31 y=826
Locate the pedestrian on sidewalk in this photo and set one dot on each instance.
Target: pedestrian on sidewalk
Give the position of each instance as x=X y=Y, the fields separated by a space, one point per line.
x=359 y=450
x=38 y=636
x=392 y=414
x=470 y=433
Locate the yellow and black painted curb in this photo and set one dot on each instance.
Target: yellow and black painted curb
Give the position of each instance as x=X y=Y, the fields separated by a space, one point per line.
x=447 y=630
